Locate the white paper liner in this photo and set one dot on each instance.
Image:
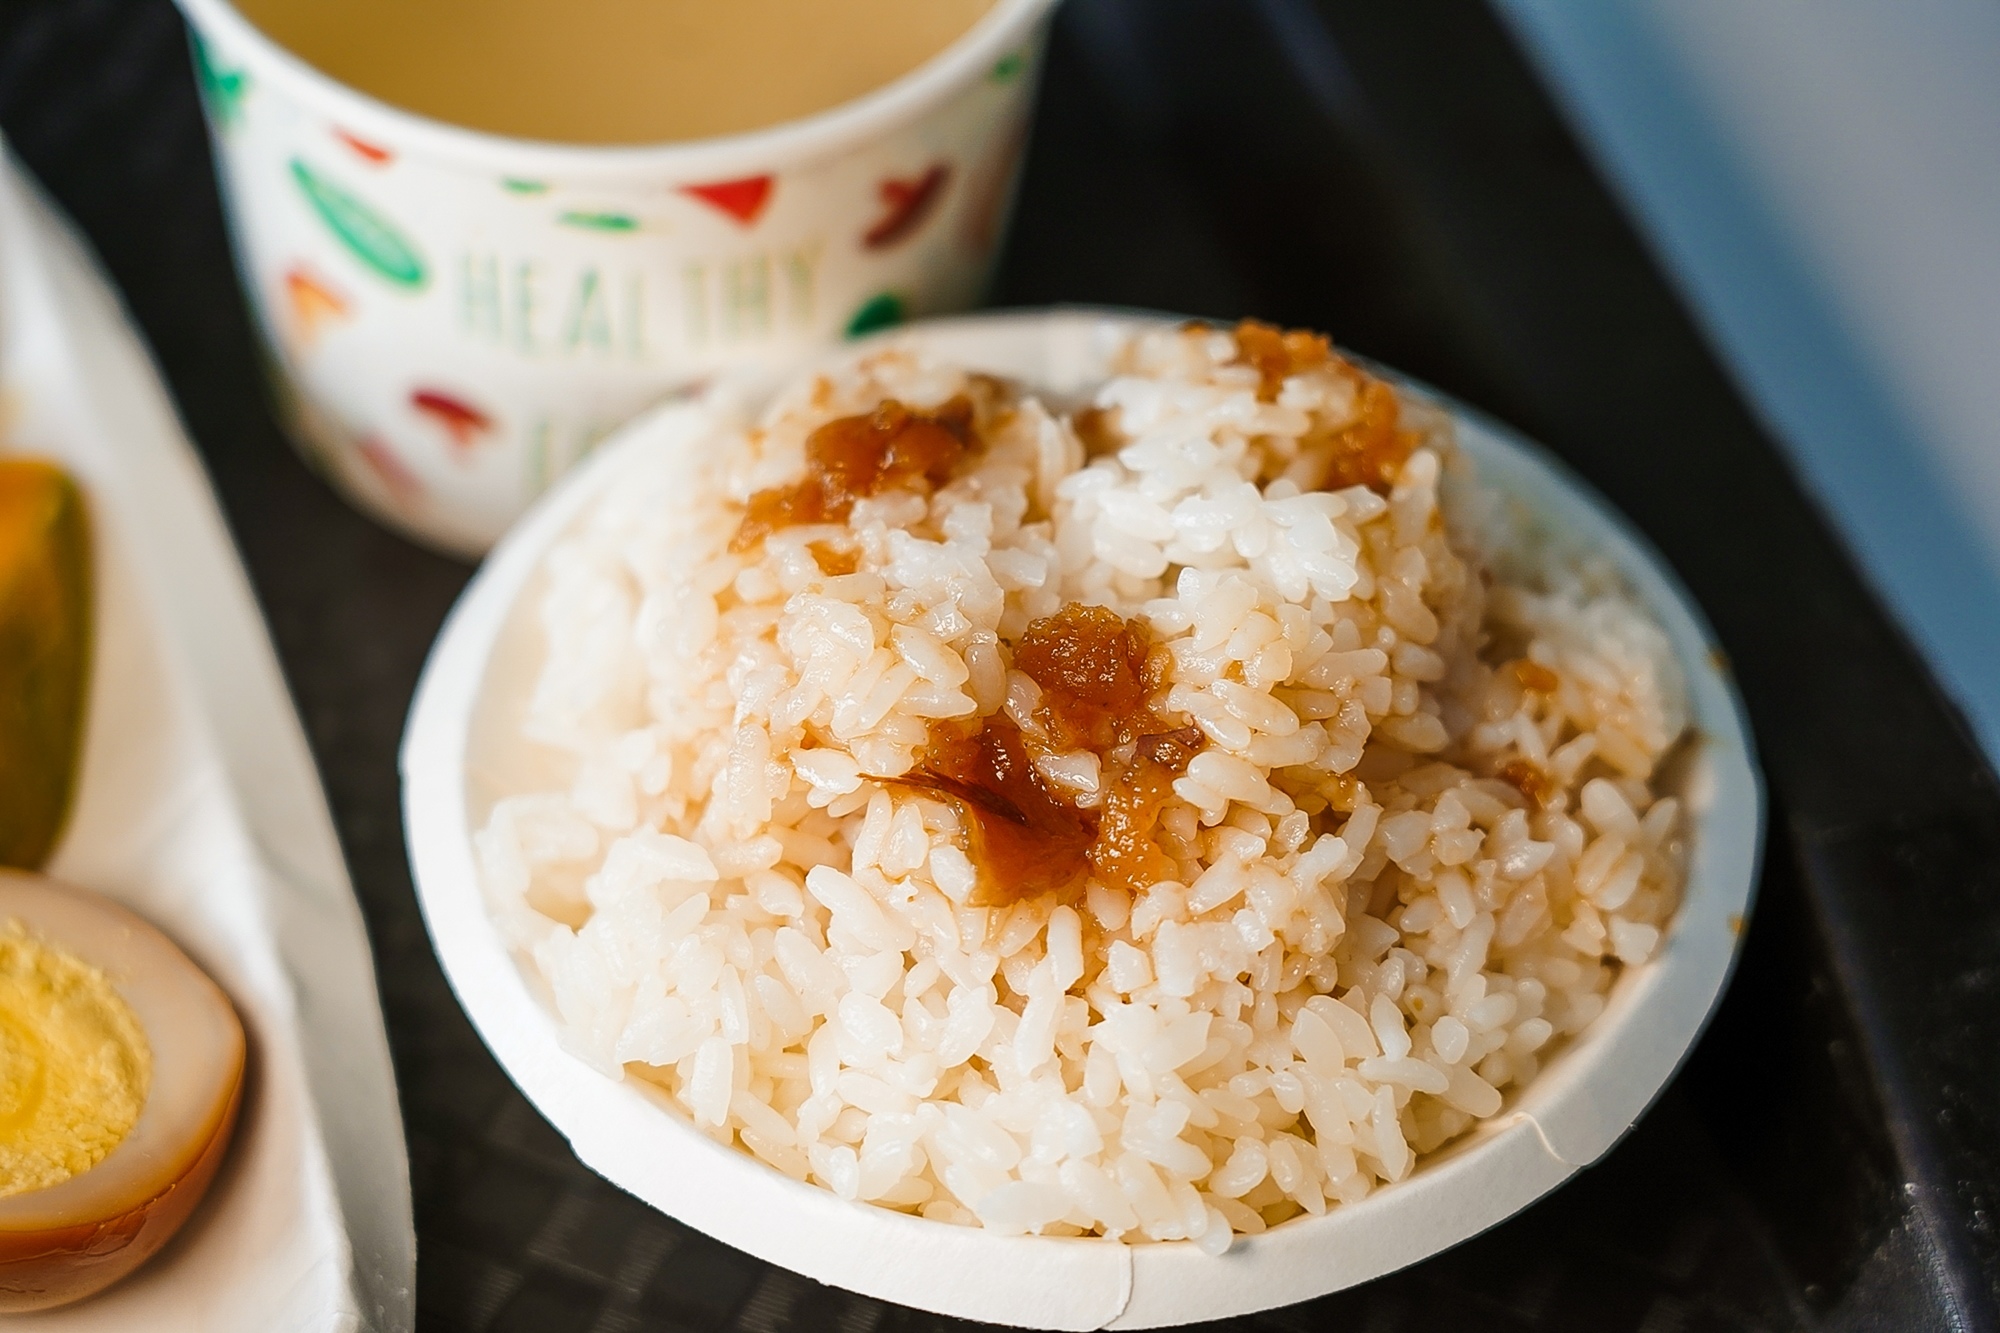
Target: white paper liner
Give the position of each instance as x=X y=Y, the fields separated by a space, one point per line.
x=199 y=807
x=1579 y=1105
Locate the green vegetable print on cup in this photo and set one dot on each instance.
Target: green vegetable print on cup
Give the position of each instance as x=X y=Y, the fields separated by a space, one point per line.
x=600 y=221
x=221 y=87
x=880 y=311
x=368 y=236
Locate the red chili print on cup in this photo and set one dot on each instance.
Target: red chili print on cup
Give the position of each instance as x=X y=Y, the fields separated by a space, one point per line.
x=460 y=419
x=909 y=202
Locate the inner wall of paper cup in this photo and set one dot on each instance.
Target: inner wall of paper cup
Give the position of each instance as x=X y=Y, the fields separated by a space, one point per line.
x=458 y=757
x=455 y=319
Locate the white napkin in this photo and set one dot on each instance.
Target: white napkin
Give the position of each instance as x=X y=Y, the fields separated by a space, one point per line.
x=199 y=806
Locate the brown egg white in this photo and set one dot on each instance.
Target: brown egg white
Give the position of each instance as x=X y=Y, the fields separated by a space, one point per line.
x=123 y=1069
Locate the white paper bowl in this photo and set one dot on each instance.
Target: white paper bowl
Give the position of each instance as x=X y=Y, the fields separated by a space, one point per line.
x=1586 y=1098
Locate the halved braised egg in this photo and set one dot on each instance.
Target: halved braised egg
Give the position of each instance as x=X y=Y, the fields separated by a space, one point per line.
x=121 y=1066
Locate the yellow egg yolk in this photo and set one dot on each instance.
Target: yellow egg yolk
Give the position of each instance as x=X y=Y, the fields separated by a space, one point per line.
x=74 y=1064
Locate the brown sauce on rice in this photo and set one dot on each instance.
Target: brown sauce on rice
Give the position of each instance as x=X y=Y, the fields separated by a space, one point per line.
x=1023 y=841
x=1528 y=778
x=1126 y=855
x=1534 y=676
x=1096 y=670
x=1278 y=354
x=1369 y=450
x=834 y=561
x=1096 y=429
x=892 y=448
x=1098 y=674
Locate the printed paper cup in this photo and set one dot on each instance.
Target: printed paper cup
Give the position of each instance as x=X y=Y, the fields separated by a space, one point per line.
x=460 y=753
x=455 y=317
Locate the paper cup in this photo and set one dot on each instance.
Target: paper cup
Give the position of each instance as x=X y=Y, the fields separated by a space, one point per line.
x=456 y=762
x=455 y=317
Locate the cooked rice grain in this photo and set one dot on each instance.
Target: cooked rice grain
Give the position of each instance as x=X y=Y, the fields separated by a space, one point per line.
x=1417 y=847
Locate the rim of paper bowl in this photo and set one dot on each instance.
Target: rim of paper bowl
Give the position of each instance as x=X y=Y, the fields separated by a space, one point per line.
x=822 y=134
x=1570 y=1115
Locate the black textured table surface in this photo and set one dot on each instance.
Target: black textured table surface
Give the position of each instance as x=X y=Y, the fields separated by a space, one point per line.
x=1829 y=1156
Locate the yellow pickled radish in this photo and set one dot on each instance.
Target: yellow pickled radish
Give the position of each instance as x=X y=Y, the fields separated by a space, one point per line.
x=45 y=603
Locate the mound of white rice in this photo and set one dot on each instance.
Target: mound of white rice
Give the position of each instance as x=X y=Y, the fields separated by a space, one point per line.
x=1414 y=850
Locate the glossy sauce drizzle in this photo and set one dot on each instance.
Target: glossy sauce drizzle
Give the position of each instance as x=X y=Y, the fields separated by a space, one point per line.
x=1368 y=451
x=1098 y=674
x=1278 y=354
x=1528 y=778
x=892 y=448
x=1023 y=840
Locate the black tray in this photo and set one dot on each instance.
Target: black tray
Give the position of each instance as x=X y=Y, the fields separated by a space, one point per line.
x=1827 y=1159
